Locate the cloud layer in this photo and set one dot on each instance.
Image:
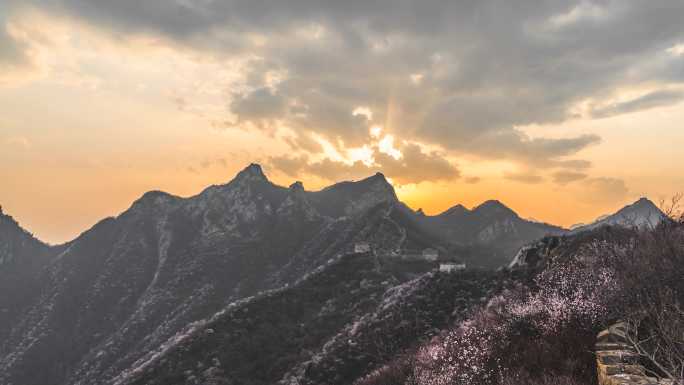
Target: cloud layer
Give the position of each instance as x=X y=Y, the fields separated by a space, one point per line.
x=464 y=77
x=650 y=100
x=414 y=166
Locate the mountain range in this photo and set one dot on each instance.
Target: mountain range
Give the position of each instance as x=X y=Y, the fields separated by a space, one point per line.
x=173 y=275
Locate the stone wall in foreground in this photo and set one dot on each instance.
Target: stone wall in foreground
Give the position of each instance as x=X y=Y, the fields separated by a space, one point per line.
x=617 y=362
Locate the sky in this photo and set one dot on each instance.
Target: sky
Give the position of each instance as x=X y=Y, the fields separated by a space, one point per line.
x=562 y=110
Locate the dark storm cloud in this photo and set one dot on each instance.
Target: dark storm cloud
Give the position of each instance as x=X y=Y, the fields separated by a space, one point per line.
x=461 y=74
x=651 y=100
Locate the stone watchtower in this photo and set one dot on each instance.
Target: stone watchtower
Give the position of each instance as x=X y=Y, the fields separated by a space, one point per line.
x=362 y=247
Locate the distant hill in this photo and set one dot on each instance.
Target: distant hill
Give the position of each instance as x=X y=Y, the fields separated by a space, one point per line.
x=488 y=235
x=642 y=213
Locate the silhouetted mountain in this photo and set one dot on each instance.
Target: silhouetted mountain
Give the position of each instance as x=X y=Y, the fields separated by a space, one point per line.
x=642 y=213
x=455 y=211
x=22 y=258
x=128 y=284
x=488 y=235
x=96 y=309
x=17 y=246
x=349 y=198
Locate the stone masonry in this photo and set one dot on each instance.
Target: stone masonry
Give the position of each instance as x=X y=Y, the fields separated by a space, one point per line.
x=617 y=362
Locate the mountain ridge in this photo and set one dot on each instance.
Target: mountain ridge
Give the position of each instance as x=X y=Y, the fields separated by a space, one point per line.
x=140 y=277
x=90 y=309
x=641 y=213
x=488 y=223
x=254 y=173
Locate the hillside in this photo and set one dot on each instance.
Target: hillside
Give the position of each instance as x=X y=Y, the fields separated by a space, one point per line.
x=22 y=258
x=332 y=327
x=560 y=292
x=91 y=311
x=128 y=284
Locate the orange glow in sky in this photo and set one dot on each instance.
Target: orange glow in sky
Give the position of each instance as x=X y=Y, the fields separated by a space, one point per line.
x=95 y=119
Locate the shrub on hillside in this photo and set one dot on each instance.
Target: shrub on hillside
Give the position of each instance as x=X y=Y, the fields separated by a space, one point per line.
x=544 y=332
x=654 y=274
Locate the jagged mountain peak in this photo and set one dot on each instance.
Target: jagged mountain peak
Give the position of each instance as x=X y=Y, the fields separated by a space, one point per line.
x=379 y=183
x=297 y=202
x=491 y=203
x=7 y=222
x=252 y=172
x=349 y=198
x=642 y=213
x=373 y=184
x=15 y=241
x=641 y=207
x=151 y=203
x=155 y=198
x=459 y=209
x=493 y=207
x=380 y=176
x=644 y=202
x=297 y=186
x=376 y=181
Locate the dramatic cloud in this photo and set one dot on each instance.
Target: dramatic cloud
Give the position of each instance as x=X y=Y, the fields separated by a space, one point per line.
x=337 y=171
x=326 y=169
x=291 y=166
x=260 y=106
x=413 y=166
x=650 y=100
x=15 y=60
x=305 y=143
x=466 y=77
x=11 y=51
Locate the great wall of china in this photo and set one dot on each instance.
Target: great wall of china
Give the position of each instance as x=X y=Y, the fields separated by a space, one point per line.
x=617 y=362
